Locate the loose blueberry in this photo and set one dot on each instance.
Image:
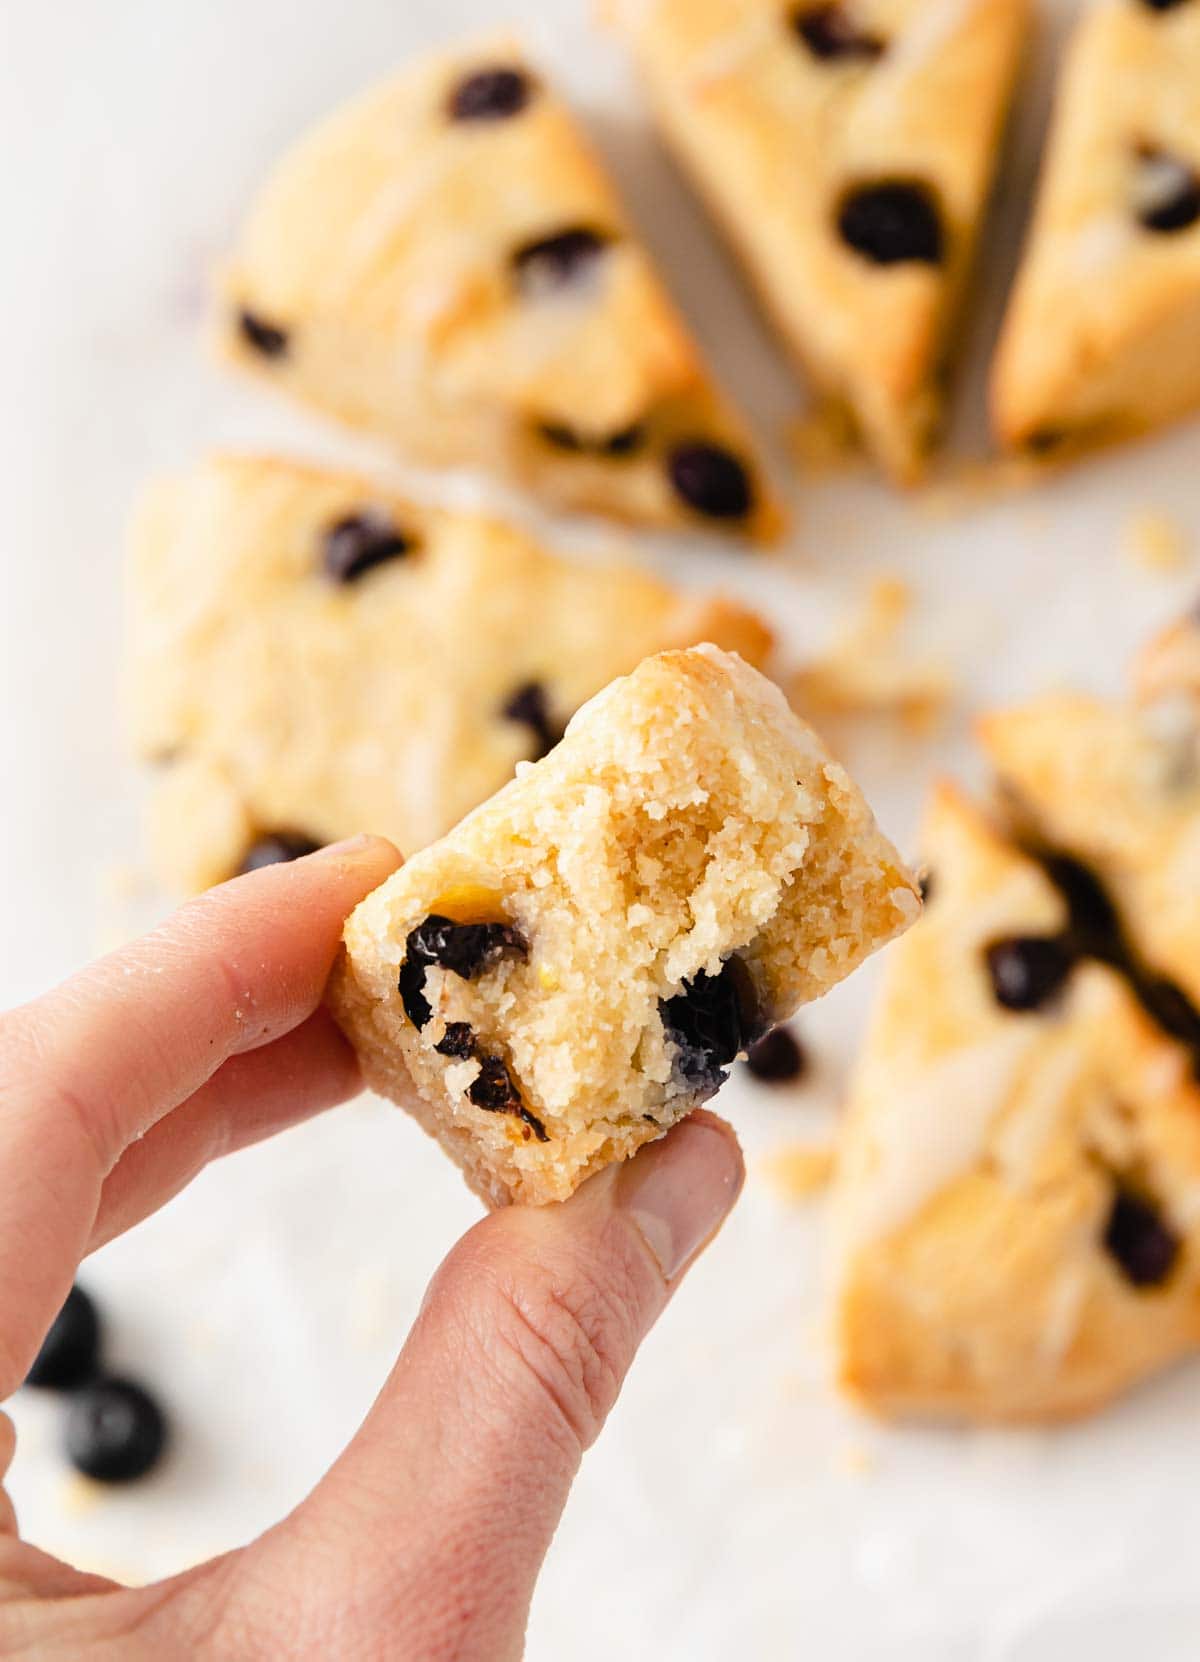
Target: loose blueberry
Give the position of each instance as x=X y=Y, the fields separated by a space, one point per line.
x=892 y=222
x=266 y=338
x=708 y=1023
x=553 y=263
x=490 y=95
x=276 y=847
x=528 y=706
x=115 y=1431
x=830 y=32
x=457 y=1041
x=70 y=1351
x=360 y=542
x=1028 y=970
x=777 y=1057
x=1166 y=192
x=711 y=480
x=1136 y=1236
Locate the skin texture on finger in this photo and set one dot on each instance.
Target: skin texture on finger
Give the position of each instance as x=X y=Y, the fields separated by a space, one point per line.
x=92 y=1066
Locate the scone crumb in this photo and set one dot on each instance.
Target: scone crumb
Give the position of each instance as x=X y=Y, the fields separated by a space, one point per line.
x=866 y=671
x=855 y=1459
x=1155 y=542
x=801 y=1171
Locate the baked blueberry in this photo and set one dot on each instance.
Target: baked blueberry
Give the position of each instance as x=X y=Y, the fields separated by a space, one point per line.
x=115 y=1431
x=466 y=949
x=1166 y=191
x=457 y=1041
x=777 y=1057
x=830 y=32
x=492 y=94
x=358 y=543
x=494 y=1090
x=892 y=222
x=266 y=338
x=551 y=263
x=710 y=480
x=926 y=885
x=412 y=990
x=1144 y=1246
x=1028 y=970
x=528 y=706
x=70 y=1351
x=708 y=1023
x=1093 y=918
x=274 y=848
x=1163 y=5
x=627 y=441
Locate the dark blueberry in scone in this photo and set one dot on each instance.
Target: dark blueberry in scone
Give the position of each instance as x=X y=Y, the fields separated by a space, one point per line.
x=1144 y=1246
x=1164 y=5
x=627 y=441
x=1028 y=970
x=1166 y=191
x=71 y=1349
x=528 y=706
x=551 y=263
x=926 y=885
x=360 y=542
x=466 y=949
x=266 y=338
x=1093 y=918
x=711 y=480
x=1170 y=1007
x=115 y=1431
x=830 y=32
x=491 y=94
x=274 y=848
x=777 y=1057
x=457 y=1041
x=494 y=1090
x=892 y=222
x=708 y=1023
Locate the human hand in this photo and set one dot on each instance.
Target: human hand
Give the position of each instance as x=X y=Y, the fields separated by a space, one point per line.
x=425 y=1538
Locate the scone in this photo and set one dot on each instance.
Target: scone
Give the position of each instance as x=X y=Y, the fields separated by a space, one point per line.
x=578 y=963
x=312 y=656
x=848 y=149
x=1100 y=340
x=445 y=262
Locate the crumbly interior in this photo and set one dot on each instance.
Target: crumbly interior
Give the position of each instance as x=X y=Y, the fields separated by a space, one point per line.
x=687 y=816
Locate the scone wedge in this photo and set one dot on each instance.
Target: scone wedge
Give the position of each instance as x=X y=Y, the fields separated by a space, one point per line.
x=445 y=263
x=848 y=148
x=1100 y=338
x=311 y=655
x=578 y=963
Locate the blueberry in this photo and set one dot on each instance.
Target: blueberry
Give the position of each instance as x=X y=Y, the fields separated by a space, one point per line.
x=925 y=885
x=457 y=1041
x=1167 y=192
x=115 y=1431
x=830 y=32
x=626 y=441
x=490 y=95
x=1028 y=970
x=493 y=1089
x=552 y=263
x=708 y=1023
x=70 y=1351
x=711 y=480
x=892 y=222
x=266 y=338
x=412 y=991
x=777 y=1057
x=1093 y=917
x=466 y=949
x=276 y=848
x=1135 y=1235
x=1163 y=5
x=360 y=542
x=528 y=706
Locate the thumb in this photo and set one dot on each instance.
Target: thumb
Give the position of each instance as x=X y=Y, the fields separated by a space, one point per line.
x=439 y=1514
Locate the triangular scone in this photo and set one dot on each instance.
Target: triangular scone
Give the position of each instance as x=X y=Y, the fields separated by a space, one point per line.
x=848 y=149
x=445 y=262
x=1018 y=1203
x=1101 y=336
x=312 y=656
x=575 y=966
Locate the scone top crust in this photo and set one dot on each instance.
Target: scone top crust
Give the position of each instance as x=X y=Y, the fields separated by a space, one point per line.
x=1100 y=337
x=445 y=261
x=688 y=833
x=848 y=148
x=1019 y=1183
x=312 y=654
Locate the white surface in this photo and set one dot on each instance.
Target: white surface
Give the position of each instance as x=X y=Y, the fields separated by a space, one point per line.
x=733 y=1507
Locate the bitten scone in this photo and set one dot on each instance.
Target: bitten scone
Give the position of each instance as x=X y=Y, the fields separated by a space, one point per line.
x=578 y=963
x=1101 y=336
x=848 y=148
x=1018 y=1204
x=312 y=656
x=445 y=262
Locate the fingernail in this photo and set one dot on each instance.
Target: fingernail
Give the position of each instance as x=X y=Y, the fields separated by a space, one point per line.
x=679 y=1191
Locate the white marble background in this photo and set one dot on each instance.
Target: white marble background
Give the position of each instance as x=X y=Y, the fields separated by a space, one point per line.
x=733 y=1506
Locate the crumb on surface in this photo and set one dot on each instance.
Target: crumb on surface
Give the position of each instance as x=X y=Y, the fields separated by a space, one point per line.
x=866 y=670
x=1155 y=542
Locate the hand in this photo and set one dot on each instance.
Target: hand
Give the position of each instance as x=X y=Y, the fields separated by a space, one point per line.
x=425 y=1538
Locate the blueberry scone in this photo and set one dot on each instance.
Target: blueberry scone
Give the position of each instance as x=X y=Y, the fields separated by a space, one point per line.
x=312 y=656
x=446 y=263
x=1101 y=336
x=578 y=963
x=848 y=148
x=1018 y=1207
